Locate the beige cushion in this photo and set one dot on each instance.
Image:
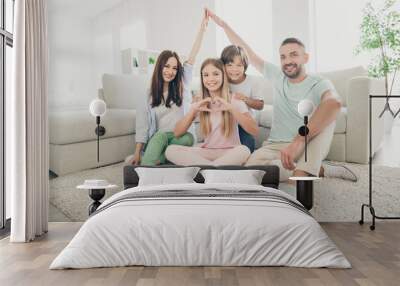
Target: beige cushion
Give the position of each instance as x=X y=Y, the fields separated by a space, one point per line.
x=264 y=117
x=341 y=121
x=72 y=126
x=341 y=78
x=120 y=91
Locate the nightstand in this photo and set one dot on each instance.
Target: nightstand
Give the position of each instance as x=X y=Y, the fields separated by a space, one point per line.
x=97 y=190
x=304 y=190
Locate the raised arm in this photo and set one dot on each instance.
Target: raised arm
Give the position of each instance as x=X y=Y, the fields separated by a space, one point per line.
x=197 y=42
x=235 y=39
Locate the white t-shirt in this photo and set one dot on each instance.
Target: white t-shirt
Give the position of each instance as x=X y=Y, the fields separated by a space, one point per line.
x=168 y=117
x=250 y=87
x=286 y=119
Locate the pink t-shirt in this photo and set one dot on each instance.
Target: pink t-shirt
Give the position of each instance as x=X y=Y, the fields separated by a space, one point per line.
x=216 y=139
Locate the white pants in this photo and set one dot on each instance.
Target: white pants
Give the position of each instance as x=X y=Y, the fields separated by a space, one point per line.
x=185 y=156
x=317 y=150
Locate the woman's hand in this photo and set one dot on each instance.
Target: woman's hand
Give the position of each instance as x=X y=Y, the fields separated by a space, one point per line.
x=136 y=158
x=215 y=18
x=204 y=22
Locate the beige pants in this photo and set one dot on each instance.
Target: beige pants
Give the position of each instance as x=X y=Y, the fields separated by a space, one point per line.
x=186 y=156
x=317 y=150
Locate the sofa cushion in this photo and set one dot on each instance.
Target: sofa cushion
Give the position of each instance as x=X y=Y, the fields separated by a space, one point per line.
x=264 y=118
x=341 y=121
x=120 y=91
x=341 y=78
x=72 y=126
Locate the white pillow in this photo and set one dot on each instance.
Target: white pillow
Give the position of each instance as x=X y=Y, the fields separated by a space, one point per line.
x=248 y=177
x=164 y=176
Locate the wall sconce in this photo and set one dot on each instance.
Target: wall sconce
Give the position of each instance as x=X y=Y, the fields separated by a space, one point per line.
x=98 y=108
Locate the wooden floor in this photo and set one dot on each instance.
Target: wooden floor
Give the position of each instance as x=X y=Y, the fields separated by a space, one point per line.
x=375 y=257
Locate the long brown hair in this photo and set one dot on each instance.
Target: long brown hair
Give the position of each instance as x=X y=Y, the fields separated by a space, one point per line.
x=157 y=82
x=227 y=118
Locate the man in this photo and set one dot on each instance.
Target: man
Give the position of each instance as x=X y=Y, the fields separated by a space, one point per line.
x=285 y=147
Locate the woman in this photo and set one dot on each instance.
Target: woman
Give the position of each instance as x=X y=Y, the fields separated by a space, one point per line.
x=219 y=113
x=164 y=107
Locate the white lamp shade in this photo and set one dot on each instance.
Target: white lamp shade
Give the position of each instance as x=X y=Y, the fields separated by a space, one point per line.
x=97 y=107
x=305 y=107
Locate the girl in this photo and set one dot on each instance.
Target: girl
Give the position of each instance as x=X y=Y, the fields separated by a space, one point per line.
x=219 y=113
x=247 y=87
x=164 y=107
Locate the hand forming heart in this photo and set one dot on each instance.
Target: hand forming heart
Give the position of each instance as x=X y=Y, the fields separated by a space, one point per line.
x=202 y=105
x=222 y=104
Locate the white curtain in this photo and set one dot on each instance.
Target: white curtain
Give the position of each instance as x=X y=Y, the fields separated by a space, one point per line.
x=27 y=129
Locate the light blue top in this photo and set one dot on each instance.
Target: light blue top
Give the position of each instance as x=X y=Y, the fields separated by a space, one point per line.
x=146 y=116
x=286 y=119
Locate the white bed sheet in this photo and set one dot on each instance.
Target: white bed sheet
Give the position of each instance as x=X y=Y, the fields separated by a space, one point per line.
x=200 y=231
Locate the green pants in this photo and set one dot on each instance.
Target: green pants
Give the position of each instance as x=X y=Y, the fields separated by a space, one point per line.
x=158 y=143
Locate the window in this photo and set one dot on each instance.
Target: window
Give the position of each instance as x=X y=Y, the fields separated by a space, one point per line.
x=6 y=44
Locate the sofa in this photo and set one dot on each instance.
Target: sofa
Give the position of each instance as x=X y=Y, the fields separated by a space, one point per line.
x=73 y=140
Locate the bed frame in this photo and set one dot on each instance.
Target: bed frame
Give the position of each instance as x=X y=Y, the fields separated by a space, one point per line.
x=270 y=179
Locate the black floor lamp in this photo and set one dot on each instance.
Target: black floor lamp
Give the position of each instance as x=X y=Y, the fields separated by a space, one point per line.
x=98 y=108
x=304 y=185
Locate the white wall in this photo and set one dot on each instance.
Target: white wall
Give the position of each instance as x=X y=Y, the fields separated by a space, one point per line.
x=290 y=19
x=83 y=46
x=254 y=26
x=85 y=42
x=151 y=24
x=70 y=65
x=337 y=33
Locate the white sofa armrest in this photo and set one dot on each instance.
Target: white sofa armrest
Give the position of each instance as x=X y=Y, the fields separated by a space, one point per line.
x=357 y=142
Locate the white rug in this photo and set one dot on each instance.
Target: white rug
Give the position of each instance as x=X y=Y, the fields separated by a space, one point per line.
x=334 y=199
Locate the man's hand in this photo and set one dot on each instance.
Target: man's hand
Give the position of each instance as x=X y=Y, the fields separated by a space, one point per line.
x=291 y=152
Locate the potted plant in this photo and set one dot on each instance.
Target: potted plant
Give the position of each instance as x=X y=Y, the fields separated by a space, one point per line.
x=380 y=36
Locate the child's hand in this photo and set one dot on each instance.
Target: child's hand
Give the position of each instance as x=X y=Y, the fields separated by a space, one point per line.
x=196 y=97
x=223 y=104
x=240 y=96
x=202 y=105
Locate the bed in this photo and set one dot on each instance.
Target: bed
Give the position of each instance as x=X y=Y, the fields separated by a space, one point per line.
x=201 y=224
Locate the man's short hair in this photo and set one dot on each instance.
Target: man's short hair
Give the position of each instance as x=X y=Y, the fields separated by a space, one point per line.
x=230 y=52
x=292 y=41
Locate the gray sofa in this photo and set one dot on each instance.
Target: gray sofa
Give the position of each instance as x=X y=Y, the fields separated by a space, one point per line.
x=73 y=141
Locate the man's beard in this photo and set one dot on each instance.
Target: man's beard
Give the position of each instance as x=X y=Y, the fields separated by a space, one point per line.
x=293 y=75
